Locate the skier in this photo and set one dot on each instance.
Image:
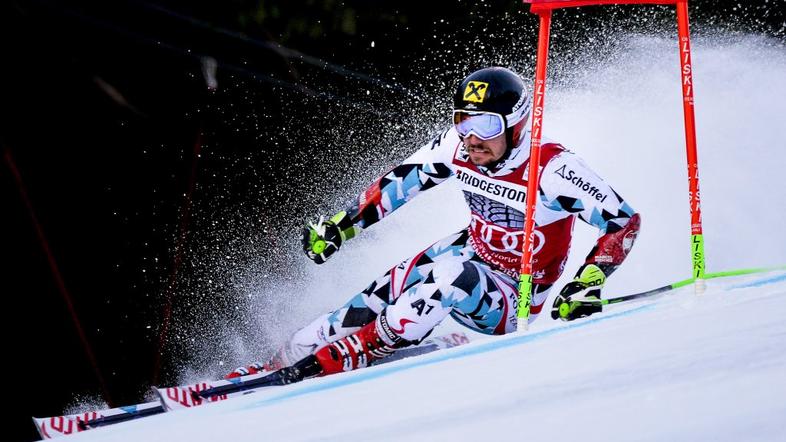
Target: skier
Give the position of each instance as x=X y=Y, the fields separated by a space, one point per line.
x=471 y=275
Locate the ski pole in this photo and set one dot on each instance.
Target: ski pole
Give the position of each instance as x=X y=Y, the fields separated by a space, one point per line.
x=676 y=285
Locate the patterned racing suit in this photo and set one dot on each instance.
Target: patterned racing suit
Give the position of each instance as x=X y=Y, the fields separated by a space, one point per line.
x=471 y=275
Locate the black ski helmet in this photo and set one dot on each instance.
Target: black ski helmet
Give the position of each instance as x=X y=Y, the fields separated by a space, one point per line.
x=496 y=90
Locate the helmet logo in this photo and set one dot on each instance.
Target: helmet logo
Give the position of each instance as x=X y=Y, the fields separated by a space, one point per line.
x=475 y=91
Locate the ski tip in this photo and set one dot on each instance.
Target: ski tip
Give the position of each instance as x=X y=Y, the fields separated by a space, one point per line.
x=39 y=426
x=160 y=394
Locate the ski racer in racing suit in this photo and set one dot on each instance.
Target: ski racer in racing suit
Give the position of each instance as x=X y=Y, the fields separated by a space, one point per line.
x=471 y=275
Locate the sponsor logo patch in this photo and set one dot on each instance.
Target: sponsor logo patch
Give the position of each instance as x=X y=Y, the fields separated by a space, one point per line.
x=402 y=323
x=570 y=175
x=475 y=91
x=388 y=330
x=498 y=191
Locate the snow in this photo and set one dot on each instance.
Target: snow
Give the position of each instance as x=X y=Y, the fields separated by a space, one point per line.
x=680 y=367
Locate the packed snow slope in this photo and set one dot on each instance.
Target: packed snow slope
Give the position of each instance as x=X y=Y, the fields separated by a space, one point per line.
x=679 y=367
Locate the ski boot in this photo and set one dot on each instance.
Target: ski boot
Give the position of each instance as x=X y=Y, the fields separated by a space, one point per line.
x=357 y=350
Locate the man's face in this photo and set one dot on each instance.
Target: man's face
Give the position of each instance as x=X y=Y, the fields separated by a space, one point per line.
x=484 y=153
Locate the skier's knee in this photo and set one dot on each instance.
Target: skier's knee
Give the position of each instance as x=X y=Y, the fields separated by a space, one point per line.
x=449 y=270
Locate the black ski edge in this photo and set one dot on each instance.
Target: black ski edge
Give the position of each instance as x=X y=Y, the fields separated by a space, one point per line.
x=109 y=420
x=306 y=368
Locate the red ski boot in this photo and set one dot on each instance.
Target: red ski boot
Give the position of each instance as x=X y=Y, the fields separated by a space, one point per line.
x=354 y=351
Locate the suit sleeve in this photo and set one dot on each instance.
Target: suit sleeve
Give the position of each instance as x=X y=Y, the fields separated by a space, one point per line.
x=569 y=184
x=427 y=167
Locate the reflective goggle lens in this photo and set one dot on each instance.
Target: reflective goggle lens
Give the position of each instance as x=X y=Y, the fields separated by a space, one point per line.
x=484 y=126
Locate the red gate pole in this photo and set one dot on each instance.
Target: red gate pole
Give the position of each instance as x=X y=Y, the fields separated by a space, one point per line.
x=694 y=197
x=533 y=181
x=58 y=277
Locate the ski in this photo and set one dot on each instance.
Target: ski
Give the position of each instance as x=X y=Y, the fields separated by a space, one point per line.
x=201 y=393
x=206 y=392
x=449 y=340
x=55 y=426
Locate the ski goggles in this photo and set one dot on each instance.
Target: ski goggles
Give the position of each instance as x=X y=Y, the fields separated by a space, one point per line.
x=483 y=125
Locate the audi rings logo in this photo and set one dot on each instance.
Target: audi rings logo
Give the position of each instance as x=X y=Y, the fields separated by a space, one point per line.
x=500 y=239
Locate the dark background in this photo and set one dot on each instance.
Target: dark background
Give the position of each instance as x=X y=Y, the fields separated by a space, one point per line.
x=123 y=172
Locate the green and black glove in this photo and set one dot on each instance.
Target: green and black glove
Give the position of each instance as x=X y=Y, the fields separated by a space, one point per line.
x=580 y=297
x=323 y=239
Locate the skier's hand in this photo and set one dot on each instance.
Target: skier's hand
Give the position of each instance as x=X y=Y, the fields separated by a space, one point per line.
x=580 y=297
x=323 y=239
x=588 y=276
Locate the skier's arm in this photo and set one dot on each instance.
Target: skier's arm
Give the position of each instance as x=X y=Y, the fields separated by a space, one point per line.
x=428 y=167
x=569 y=184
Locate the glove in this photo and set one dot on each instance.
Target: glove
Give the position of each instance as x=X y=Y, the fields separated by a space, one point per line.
x=322 y=240
x=580 y=297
